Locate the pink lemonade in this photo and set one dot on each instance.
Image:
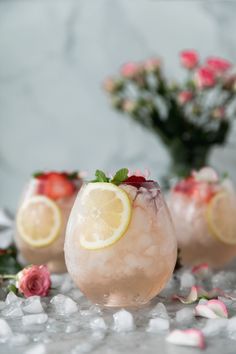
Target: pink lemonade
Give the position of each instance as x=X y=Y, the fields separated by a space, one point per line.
x=42 y=217
x=114 y=266
x=203 y=209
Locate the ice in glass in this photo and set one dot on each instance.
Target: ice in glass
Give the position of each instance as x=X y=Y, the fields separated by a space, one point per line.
x=203 y=208
x=42 y=217
x=120 y=245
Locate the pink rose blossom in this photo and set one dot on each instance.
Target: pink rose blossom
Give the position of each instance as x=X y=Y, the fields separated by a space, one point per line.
x=185 y=97
x=130 y=70
x=34 y=280
x=218 y=65
x=189 y=59
x=205 y=77
x=152 y=64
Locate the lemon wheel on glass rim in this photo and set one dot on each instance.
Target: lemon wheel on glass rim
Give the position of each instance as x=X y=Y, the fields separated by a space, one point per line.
x=39 y=221
x=105 y=215
x=221 y=218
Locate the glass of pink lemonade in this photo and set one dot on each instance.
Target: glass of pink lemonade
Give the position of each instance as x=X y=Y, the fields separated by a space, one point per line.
x=120 y=246
x=42 y=217
x=203 y=208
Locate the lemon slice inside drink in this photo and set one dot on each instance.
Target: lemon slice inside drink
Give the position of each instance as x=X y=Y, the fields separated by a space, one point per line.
x=221 y=217
x=105 y=215
x=39 y=221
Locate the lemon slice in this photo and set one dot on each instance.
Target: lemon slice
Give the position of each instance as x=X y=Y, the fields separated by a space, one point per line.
x=39 y=221
x=105 y=215
x=221 y=217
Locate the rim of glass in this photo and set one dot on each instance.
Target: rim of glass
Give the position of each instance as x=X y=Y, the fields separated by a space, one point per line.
x=148 y=184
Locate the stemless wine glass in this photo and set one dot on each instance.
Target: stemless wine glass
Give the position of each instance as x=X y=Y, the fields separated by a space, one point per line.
x=203 y=208
x=42 y=217
x=120 y=246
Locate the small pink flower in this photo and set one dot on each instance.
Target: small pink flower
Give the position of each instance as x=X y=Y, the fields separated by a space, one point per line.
x=189 y=59
x=130 y=70
x=218 y=65
x=152 y=64
x=205 y=77
x=109 y=85
x=129 y=106
x=218 y=113
x=185 y=97
x=34 y=280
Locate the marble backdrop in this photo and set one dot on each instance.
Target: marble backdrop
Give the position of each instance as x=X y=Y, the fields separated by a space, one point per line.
x=54 y=55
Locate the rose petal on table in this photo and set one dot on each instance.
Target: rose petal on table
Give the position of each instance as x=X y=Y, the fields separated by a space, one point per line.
x=191 y=298
x=212 y=309
x=201 y=270
x=189 y=337
x=218 y=307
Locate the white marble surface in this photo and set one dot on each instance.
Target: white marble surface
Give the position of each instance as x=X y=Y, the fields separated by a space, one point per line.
x=54 y=55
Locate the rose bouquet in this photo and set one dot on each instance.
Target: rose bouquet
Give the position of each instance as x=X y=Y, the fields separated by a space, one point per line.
x=190 y=116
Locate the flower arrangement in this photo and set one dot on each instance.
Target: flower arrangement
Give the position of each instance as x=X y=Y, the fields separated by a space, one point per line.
x=190 y=116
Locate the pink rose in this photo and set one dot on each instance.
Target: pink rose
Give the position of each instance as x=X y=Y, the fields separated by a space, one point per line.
x=185 y=97
x=189 y=59
x=218 y=65
x=152 y=64
x=130 y=70
x=34 y=280
x=205 y=77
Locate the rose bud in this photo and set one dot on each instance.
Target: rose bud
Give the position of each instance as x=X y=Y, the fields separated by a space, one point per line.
x=111 y=85
x=152 y=65
x=189 y=59
x=131 y=70
x=184 y=97
x=34 y=280
x=218 y=65
x=129 y=106
x=218 y=113
x=205 y=78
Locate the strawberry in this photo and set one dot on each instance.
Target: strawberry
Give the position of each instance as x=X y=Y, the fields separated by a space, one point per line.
x=56 y=185
x=198 y=190
x=135 y=181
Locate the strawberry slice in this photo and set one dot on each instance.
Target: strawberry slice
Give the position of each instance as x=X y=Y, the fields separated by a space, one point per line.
x=56 y=186
x=135 y=181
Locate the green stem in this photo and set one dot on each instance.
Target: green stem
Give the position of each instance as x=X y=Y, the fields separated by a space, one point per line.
x=8 y=276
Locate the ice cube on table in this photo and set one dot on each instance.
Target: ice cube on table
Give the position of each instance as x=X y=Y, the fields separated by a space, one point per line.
x=185 y=316
x=11 y=297
x=57 y=280
x=158 y=325
x=159 y=311
x=5 y=330
x=214 y=327
x=224 y=280
x=187 y=280
x=19 y=339
x=82 y=348
x=98 y=323
x=29 y=320
x=12 y=310
x=75 y=294
x=64 y=305
x=2 y=305
x=66 y=285
x=231 y=328
x=123 y=321
x=36 y=349
x=33 y=305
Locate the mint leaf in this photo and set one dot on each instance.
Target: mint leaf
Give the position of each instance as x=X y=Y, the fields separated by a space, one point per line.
x=37 y=174
x=100 y=177
x=120 y=176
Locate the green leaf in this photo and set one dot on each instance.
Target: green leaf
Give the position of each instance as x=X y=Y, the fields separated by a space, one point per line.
x=120 y=176
x=73 y=175
x=100 y=177
x=8 y=262
x=13 y=288
x=37 y=174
